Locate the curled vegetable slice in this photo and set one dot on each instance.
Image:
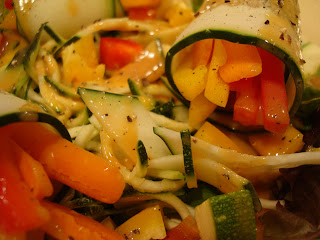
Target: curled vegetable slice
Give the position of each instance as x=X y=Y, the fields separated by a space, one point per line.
x=270 y=25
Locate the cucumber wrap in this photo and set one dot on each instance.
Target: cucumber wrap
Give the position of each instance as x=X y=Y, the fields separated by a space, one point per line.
x=272 y=25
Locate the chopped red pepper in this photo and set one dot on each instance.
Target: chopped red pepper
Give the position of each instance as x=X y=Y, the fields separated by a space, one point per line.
x=186 y=230
x=20 y=210
x=246 y=105
x=116 y=53
x=8 y=4
x=273 y=94
x=142 y=13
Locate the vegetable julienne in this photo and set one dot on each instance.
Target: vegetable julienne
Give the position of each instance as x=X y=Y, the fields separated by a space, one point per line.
x=136 y=145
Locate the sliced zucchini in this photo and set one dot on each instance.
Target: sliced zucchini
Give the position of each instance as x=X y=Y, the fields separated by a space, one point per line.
x=14 y=72
x=205 y=165
x=14 y=109
x=227 y=216
x=31 y=14
x=125 y=120
x=180 y=113
x=62 y=88
x=32 y=54
x=187 y=159
x=170 y=139
x=165 y=174
x=270 y=25
x=142 y=160
x=311 y=95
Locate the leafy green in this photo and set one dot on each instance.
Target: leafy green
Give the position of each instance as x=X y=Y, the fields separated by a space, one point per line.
x=310 y=101
x=300 y=217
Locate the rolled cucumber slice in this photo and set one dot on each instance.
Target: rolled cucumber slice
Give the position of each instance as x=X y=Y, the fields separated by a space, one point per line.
x=31 y=14
x=270 y=25
x=14 y=109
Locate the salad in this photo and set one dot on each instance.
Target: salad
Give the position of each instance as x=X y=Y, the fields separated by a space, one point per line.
x=158 y=119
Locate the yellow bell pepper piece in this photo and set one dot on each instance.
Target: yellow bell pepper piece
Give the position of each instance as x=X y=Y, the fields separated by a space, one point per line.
x=190 y=82
x=80 y=63
x=217 y=90
x=270 y=144
x=200 y=109
x=213 y=135
x=147 y=224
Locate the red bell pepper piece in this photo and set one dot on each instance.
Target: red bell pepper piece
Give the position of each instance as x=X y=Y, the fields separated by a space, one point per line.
x=8 y=4
x=186 y=230
x=142 y=13
x=116 y=53
x=246 y=105
x=273 y=94
x=20 y=211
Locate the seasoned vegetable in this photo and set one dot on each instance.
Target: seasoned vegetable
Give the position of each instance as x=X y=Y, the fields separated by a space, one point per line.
x=260 y=27
x=166 y=119
x=91 y=175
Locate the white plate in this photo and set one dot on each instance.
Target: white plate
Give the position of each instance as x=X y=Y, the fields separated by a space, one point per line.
x=310 y=20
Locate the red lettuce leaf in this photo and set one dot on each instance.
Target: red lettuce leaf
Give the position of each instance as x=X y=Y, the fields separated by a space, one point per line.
x=300 y=217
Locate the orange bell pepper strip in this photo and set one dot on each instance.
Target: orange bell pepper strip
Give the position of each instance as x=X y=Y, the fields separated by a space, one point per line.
x=68 y=163
x=20 y=211
x=273 y=94
x=142 y=13
x=243 y=61
x=246 y=106
x=127 y=4
x=67 y=224
x=33 y=175
x=201 y=52
x=115 y=53
x=186 y=230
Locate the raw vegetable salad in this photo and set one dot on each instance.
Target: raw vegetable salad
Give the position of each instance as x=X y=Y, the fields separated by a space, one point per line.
x=158 y=119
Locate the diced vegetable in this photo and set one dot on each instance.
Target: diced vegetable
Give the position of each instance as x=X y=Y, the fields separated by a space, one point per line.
x=69 y=163
x=227 y=216
x=186 y=230
x=273 y=94
x=142 y=13
x=127 y=4
x=20 y=210
x=246 y=106
x=191 y=178
x=268 y=144
x=67 y=224
x=125 y=120
x=202 y=51
x=81 y=63
x=243 y=61
x=33 y=174
x=115 y=53
x=200 y=109
x=217 y=90
x=8 y=4
x=147 y=224
x=213 y=135
x=139 y=69
x=191 y=82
